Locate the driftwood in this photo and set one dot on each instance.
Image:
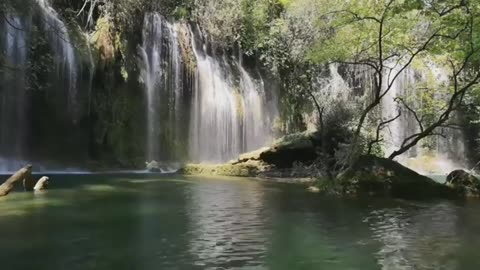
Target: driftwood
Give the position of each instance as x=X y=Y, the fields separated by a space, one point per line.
x=42 y=183
x=24 y=174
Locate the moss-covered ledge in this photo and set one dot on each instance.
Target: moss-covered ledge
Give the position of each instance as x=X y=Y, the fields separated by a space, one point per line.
x=274 y=162
x=228 y=169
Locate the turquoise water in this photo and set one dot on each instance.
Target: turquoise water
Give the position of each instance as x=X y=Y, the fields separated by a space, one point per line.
x=164 y=222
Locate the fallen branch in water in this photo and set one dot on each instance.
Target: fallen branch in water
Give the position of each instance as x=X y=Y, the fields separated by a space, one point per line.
x=24 y=174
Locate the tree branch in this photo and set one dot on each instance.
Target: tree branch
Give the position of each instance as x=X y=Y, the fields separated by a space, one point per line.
x=379 y=129
x=412 y=111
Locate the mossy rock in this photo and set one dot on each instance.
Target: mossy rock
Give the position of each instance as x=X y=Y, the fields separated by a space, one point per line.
x=277 y=159
x=242 y=170
x=379 y=176
x=294 y=148
x=464 y=183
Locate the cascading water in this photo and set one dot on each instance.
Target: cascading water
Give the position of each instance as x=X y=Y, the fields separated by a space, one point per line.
x=12 y=92
x=395 y=132
x=230 y=114
x=162 y=76
x=31 y=88
x=437 y=154
x=217 y=110
x=66 y=64
x=151 y=74
x=256 y=118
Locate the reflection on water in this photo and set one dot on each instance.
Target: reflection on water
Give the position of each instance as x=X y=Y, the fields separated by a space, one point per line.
x=151 y=222
x=416 y=237
x=227 y=224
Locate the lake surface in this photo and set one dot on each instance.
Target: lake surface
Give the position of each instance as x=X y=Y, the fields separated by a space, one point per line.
x=164 y=222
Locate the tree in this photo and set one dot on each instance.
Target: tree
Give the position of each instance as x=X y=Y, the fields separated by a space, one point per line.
x=386 y=37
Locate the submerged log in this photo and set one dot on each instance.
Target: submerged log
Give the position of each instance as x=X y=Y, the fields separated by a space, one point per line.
x=42 y=183
x=24 y=174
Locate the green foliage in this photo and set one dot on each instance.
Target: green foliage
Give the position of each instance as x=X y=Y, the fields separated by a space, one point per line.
x=180 y=13
x=243 y=22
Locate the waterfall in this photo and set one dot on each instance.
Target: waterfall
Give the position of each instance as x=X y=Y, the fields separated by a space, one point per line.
x=403 y=87
x=29 y=89
x=436 y=154
x=162 y=77
x=217 y=111
x=423 y=88
x=230 y=113
x=12 y=92
x=256 y=121
x=66 y=64
x=227 y=108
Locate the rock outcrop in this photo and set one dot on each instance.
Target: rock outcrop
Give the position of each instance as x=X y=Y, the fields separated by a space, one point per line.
x=464 y=183
x=276 y=161
x=248 y=169
x=381 y=176
x=285 y=152
x=24 y=174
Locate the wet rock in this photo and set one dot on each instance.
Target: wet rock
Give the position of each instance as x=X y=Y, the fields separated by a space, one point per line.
x=285 y=152
x=313 y=189
x=42 y=183
x=380 y=176
x=153 y=166
x=276 y=161
x=464 y=183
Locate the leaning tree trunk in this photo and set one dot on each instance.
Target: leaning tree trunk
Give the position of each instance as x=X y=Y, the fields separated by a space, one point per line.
x=24 y=174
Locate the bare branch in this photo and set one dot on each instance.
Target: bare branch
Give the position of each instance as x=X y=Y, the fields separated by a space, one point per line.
x=356 y=16
x=412 y=111
x=453 y=104
x=380 y=127
x=5 y=18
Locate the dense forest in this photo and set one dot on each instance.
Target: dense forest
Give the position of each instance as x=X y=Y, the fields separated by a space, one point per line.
x=112 y=84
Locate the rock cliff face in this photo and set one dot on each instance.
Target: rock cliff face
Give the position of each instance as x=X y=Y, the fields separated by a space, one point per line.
x=119 y=90
x=116 y=94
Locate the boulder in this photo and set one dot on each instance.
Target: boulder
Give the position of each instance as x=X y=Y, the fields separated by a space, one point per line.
x=24 y=174
x=42 y=183
x=380 y=176
x=276 y=161
x=464 y=183
x=294 y=148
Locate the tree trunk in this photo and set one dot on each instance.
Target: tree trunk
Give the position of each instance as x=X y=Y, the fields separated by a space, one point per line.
x=24 y=174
